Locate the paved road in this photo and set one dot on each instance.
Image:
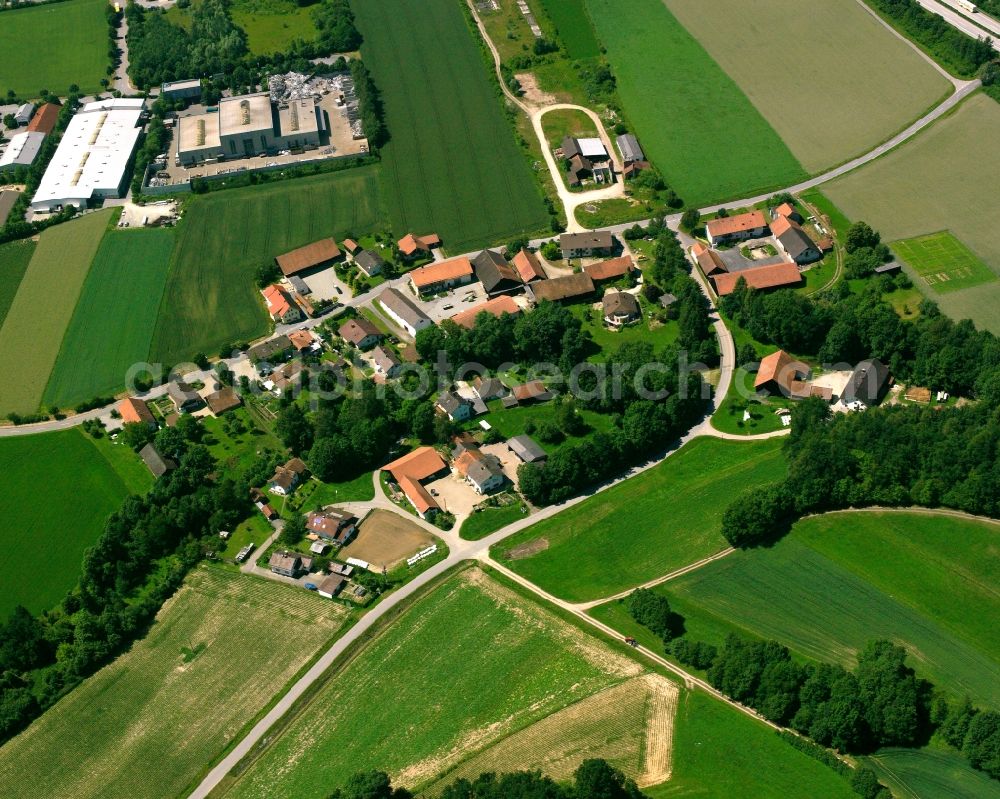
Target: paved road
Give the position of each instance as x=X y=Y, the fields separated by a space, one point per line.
x=975 y=25
x=122 y=82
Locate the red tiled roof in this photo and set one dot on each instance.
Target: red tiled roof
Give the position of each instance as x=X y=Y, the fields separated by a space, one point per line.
x=419 y=464
x=45 y=118
x=417 y=494
x=301 y=339
x=759 y=277
x=307 y=257
x=357 y=330
x=532 y=390
x=497 y=307
x=277 y=301
x=785 y=209
x=527 y=266
x=782 y=225
x=709 y=260
x=728 y=225
x=134 y=409
x=439 y=272
x=606 y=270
x=781 y=368
x=410 y=244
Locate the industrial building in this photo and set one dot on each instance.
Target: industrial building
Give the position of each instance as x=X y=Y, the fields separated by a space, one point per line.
x=247 y=126
x=182 y=89
x=93 y=156
x=21 y=150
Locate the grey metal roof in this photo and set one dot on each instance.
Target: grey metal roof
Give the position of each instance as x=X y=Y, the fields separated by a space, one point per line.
x=629 y=147
x=796 y=242
x=526 y=449
x=403 y=308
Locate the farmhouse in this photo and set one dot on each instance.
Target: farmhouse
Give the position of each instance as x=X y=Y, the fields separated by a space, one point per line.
x=22 y=150
x=225 y=399
x=496 y=275
x=360 y=332
x=271 y=349
x=280 y=306
x=411 y=246
x=610 y=270
x=386 y=362
x=489 y=388
x=441 y=276
x=620 y=309
x=246 y=126
x=759 y=277
x=331 y=586
x=587 y=158
x=779 y=373
x=793 y=241
x=455 y=407
x=586 y=245
x=319 y=253
x=369 y=263
x=708 y=259
x=483 y=472
x=497 y=307
x=527 y=266
x=93 y=155
x=628 y=146
x=287 y=564
x=403 y=312
x=411 y=471
x=558 y=289
x=333 y=525
x=303 y=340
x=526 y=449
x=136 y=411
x=736 y=228
x=533 y=391
x=787 y=210
x=867 y=384
x=184 y=397
x=287 y=477
x=157 y=464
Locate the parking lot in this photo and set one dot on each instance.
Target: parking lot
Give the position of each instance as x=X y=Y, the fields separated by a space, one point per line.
x=455 y=301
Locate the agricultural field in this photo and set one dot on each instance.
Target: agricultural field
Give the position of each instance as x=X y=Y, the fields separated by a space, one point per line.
x=573 y=27
x=452 y=165
x=693 y=120
x=467 y=665
x=14 y=259
x=210 y=297
x=219 y=650
x=114 y=318
x=837 y=581
x=59 y=490
x=943 y=179
x=931 y=773
x=943 y=262
x=41 y=311
x=646 y=527
x=72 y=35
x=822 y=55
x=272 y=25
x=386 y=539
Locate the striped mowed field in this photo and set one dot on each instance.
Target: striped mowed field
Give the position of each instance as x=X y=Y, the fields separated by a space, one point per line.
x=943 y=262
x=33 y=331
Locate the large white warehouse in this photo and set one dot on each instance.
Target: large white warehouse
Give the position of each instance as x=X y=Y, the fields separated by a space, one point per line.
x=92 y=156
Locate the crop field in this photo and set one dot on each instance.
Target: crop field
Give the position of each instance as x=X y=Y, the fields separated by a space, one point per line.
x=573 y=27
x=452 y=165
x=73 y=37
x=943 y=262
x=719 y=753
x=840 y=580
x=59 y=489
x=931 y=773
x=14 y=259
x=646 y=527
x=272 y=25
x=692 y=119
x=114 y=319
x=221 y=647
x=210 y=297
x=466 y=666
x=944 y=179
x=38 y=317
x=788 y=56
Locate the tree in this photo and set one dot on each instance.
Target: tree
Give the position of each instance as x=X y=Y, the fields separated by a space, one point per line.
x=860 y=234
x=652 y=610
x=330 y=458
x=756 y=516
x=595 y=779
x=294 y=429
x=293 y=531
x=864 y=782
x=136 y=434
x=982 y=743
x=690 y=219
x=9 y=122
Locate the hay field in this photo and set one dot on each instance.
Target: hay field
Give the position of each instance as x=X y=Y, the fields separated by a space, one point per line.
x=944 y=179
x=464 y=667
x=272 y=25
x=931 y=773
x=386 y=538
x=943 y=262
x=51 y=47
x=829 y=77
x=38 y=317
x=210 y=298
x=14 y=259
x=643 y=528
x=452 y=165
x=146 y=725
x=115 y=317
x=693 y=121
x=59 y=490
x=572 y=27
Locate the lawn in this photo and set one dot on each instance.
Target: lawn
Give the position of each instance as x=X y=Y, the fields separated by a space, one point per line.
x=59 y=489
x=237 y=450
x=646 y=527
x=659 y=334
x=14 y=259
x=617 y=210
x=730 y=418
x=573 y=27
x=489 y=520
x=210 y=298
x=464 y=667
x=41 y=311
x=525 y=419
x=563 y=122
x=692 y=119
x=941 y=180
x=73 y=36
x=272 y=25
x=220 y=649
x=931 y=773
x=821 y=55
x=943 y=262
x=840 y=580
x=115 y=317
x=452 y=166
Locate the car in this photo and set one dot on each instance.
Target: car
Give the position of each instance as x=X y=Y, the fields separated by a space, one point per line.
x=447 y=307
x=339 y=289
x=310 y=586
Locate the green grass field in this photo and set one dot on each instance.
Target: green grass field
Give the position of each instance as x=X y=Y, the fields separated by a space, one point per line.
x=487 y=521
x=840 y=580
x=452 y=166
x=567 y=122
x=59 y=490
x=464 y=667
x=272 y=25
x=721 y=754
x=646 y=527
x=944 y=179
x=692 y=120
x=220 y=649
x=788 y=56
x=41 y=311
x=14 y=259
x=210 y=297
x=943 y=262
x=115 y=317
x=931 y=773
x=72 y=35
x=573 y=27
